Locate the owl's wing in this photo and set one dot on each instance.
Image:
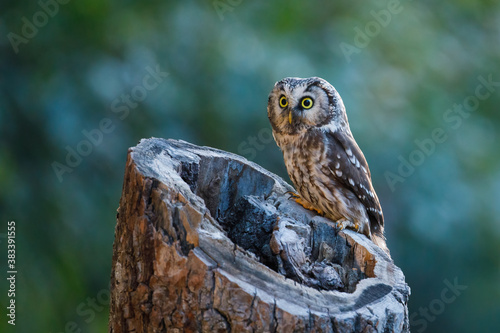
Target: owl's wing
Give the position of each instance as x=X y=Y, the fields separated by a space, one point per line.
x=349 y=167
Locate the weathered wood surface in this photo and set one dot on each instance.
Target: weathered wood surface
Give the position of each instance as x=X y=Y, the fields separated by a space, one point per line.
x=207 y=241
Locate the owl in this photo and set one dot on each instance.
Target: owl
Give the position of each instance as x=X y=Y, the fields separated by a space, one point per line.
x=323 y=160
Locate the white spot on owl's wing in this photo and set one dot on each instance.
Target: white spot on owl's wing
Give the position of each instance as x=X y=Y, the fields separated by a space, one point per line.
x=370 y=193
x=374 y=210
x=353 y=159
x=351 y=181
x=337 y=165
x=337 y=172
x=348 y=151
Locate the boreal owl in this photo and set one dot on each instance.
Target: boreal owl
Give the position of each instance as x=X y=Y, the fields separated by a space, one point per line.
x=322 y=158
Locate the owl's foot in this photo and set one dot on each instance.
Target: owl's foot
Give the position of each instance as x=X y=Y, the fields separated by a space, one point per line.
x=339 y=225
x=344 y=223
x=303 y=203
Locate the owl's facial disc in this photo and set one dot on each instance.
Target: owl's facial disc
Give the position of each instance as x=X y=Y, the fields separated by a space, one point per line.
x=296 y=105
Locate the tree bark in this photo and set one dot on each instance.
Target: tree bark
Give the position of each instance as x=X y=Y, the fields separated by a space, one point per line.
x=207 y=241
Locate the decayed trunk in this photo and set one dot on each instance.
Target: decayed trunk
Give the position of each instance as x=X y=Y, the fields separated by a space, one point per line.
x=207 y=241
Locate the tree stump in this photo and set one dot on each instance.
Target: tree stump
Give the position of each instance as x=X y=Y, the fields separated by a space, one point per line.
x=207 y=241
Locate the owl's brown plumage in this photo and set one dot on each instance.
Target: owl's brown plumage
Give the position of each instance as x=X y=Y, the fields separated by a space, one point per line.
x=321 y=156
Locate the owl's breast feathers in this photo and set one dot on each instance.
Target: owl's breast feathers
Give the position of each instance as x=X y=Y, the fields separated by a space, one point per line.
x=346 y=164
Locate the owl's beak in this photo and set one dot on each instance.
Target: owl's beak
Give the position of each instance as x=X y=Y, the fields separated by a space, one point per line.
x=290 y=117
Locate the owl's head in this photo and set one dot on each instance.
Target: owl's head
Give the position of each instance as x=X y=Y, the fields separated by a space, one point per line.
x=296 y=105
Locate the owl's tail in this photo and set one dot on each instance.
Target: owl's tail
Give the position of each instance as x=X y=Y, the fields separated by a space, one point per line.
x=379 y=240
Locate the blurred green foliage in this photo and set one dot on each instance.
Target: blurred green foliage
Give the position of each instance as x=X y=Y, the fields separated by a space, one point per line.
x=222 y=59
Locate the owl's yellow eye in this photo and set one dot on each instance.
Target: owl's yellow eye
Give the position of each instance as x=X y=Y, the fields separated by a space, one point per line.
x=307 y=102
x=283 y=102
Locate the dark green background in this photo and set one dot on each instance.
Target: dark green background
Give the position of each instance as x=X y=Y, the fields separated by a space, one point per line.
x=223 y=58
